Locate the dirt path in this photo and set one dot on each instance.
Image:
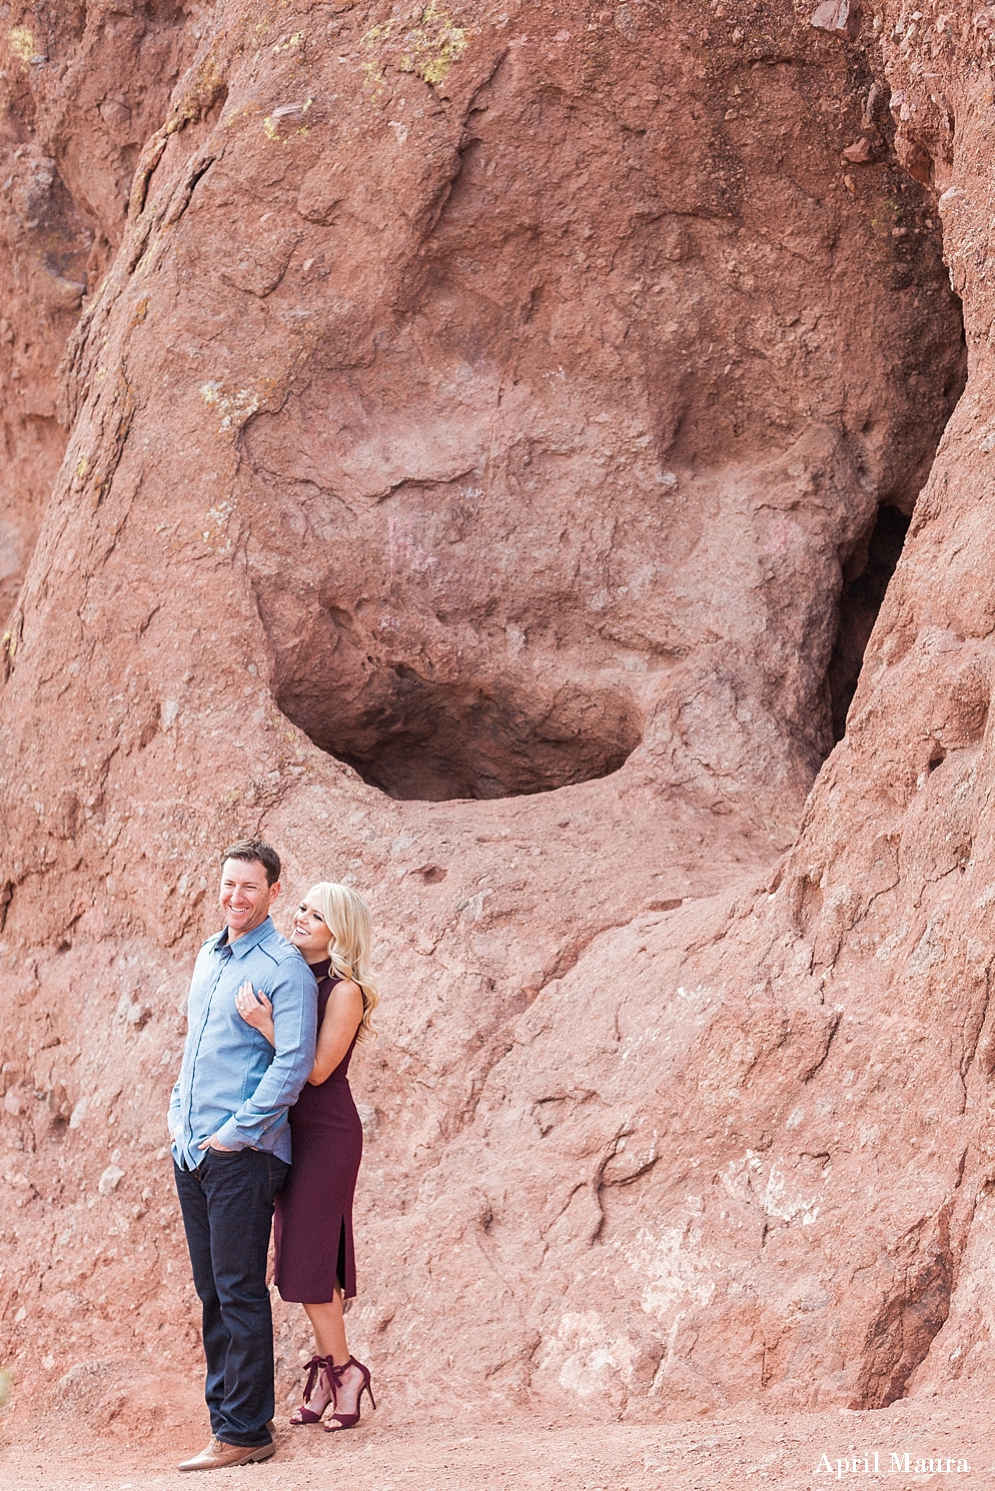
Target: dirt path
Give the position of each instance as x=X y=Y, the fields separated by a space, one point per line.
x=741 y=1448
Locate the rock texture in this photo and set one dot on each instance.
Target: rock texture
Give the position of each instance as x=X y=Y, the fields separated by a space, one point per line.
x=489 y=433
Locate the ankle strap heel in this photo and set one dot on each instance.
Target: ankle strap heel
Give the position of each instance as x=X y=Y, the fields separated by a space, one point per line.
x=338 y=1421
x=317 y=1366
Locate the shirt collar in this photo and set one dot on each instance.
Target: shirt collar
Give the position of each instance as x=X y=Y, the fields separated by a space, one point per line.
x=243 y=945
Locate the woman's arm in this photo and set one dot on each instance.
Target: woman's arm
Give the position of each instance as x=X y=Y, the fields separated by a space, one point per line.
x=343 y=1013
x=256 y=1010
x=293 y=994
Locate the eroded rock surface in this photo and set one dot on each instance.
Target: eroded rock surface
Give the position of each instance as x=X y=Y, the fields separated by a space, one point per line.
x=474 y=421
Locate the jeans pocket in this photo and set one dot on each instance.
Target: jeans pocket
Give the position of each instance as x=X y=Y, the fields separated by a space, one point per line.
x=277 y=1171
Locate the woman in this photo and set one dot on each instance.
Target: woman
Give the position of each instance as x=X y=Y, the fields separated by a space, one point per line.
x=313 y=1227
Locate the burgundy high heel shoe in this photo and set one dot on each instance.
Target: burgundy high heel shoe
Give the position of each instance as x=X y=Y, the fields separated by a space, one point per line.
x=318 y=1366
x=338 y=1421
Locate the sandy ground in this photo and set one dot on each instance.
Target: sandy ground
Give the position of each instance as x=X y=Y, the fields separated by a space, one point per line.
x=739 y=1448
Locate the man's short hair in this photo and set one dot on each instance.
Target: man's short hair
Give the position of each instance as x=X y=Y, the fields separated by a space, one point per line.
x=250 y=849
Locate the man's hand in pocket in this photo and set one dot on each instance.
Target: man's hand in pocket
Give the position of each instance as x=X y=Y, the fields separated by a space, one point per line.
x=212 y=1143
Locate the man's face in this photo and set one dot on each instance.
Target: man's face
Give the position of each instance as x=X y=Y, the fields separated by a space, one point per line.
x=245 y=896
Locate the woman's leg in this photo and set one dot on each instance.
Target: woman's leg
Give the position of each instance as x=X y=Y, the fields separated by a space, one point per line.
x=329 y=1341
x=328 y=1323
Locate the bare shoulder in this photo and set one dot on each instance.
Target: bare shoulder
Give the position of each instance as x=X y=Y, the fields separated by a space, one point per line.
x=344 y=1007
x=346 y=991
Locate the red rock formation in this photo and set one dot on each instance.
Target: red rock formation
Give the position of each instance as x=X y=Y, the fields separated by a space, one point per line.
x=468 y=446
x=81 y=92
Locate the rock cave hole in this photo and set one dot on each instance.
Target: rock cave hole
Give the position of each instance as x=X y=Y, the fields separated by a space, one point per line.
x=418 y=738
x=860 y=601
x=867 y=577
x=936 y=758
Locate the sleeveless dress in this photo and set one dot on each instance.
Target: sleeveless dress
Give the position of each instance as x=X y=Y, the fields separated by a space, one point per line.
x=313 y=1212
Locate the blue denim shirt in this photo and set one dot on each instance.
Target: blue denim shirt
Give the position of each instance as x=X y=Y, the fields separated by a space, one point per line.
x=231 y=1080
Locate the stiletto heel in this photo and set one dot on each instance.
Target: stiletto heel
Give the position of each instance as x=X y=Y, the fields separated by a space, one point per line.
x=318 y=1366
x=338 y=1421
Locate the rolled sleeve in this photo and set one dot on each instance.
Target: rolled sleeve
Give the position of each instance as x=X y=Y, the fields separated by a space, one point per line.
x=295 y=1019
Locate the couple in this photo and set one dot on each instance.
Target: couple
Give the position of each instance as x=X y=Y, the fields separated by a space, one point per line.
x=272 y=1022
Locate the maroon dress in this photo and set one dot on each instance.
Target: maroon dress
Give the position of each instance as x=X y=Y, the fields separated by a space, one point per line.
x=313 y=1221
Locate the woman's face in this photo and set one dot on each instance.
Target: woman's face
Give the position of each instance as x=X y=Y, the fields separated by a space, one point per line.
x=310 y=931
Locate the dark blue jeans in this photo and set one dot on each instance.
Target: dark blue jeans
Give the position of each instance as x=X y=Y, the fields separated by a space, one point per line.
x=227 y=1205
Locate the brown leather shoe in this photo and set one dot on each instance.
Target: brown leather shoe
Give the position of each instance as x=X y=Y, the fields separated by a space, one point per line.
x=219 y=1455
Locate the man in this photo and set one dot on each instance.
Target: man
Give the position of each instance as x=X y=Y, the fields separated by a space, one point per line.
x=231 y=1144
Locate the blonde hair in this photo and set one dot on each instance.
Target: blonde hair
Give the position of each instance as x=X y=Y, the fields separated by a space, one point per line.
x=347 y=918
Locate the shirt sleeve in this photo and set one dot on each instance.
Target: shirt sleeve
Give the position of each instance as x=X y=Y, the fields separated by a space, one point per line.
x=295 y=1020
x=174 y=1114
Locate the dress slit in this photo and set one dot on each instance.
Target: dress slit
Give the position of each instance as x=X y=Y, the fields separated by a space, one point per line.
x=340 y=1263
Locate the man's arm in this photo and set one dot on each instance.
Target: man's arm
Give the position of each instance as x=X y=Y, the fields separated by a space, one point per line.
x=295 y=1018
x=174 y=1114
